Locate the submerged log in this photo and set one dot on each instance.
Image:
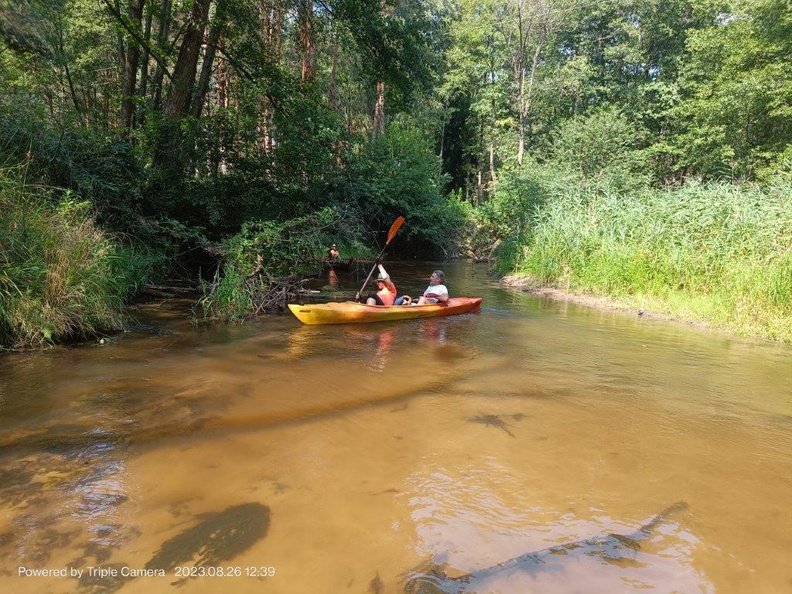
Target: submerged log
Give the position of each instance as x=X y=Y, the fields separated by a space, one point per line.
x=167 y=291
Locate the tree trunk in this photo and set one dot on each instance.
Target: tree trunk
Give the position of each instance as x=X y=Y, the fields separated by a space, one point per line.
x=144 y=60
x=306 y=40
x=199 y=96
x=223 y=77
x=162 y=39
x=379 y=111
x=379 y=106
x=332 y=97
x=131 y=63
x=120 y=38
x=277 y=24
x=185 y=70
x=526 y=100
x=67 y=72
x=479 y=186
x=521 y=142
x=272 y=24
x=492 y=163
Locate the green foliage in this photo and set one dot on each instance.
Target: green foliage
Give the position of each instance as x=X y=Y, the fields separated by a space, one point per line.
x=61 y=277
x=105 y=170
x=608 y=97
x=702 y=87
x=603 y=143
x=395 y=41
x=398 y=175
x=504 y=222
x=734 y=119
x=477 y=91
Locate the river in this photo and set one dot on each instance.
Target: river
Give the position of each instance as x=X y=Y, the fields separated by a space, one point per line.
x=281 y=458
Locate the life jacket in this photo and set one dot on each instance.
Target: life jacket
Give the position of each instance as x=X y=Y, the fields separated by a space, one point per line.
x=386 y=295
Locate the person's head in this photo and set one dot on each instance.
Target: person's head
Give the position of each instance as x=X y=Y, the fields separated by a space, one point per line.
x=332 y=246
x=437 y=278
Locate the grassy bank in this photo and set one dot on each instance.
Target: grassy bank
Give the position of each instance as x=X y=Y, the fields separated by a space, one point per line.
x=61 y=277
x=720 y=254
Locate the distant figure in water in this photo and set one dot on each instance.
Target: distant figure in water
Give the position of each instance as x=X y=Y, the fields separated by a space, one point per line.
x=333 y=255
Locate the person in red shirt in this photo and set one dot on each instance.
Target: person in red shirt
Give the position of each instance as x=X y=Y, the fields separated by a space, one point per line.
x=386 y=290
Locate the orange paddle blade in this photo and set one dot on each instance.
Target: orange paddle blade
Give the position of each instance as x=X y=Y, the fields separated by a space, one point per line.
x=394 y=229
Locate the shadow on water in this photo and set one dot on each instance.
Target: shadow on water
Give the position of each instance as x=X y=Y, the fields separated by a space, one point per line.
x=496 y=421
x=619 y=549
x=217 y=538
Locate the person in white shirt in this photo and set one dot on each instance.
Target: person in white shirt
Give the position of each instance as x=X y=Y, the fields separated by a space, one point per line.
x=436 y=292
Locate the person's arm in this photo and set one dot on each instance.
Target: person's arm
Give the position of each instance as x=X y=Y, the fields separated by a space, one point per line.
x=388 y=281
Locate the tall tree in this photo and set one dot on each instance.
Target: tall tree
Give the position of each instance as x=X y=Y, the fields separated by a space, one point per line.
x=207 y=63
x=525 y=27
x=307 y=42
x=165 y=17
x=733 y=118
x=131 y=63
x=184 y=71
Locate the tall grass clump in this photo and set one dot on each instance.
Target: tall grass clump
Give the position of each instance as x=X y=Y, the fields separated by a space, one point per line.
x=61 y=277
x=718 y=253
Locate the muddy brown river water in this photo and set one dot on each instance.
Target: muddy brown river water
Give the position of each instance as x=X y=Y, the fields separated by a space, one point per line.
x=527 y=448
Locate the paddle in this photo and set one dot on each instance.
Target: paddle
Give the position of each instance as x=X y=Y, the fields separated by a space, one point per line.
x=391 y=234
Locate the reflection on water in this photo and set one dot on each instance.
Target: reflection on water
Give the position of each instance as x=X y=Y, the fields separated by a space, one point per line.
x=516 y=450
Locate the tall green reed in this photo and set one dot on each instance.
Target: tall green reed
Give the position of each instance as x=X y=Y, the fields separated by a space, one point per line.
x=715 y=252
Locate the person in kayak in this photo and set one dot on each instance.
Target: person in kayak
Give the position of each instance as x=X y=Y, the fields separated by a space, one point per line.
x=386 y=290
x=436 y=292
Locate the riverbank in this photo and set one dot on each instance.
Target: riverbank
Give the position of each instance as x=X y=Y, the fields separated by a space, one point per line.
x=645 y=309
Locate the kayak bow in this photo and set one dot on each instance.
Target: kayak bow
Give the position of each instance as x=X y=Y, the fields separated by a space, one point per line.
x=350 y=312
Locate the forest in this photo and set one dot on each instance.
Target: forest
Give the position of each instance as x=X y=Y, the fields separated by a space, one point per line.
x=636 y=149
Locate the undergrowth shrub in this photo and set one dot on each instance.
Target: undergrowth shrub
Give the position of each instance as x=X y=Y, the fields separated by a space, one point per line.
x=256 y=260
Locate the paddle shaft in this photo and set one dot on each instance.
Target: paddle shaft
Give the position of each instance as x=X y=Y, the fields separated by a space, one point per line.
x=391 y=234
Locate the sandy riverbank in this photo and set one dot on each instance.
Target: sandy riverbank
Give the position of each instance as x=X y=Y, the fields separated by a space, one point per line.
x=623 y=306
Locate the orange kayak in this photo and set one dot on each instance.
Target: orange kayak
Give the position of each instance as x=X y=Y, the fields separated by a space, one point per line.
x=350 y=312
